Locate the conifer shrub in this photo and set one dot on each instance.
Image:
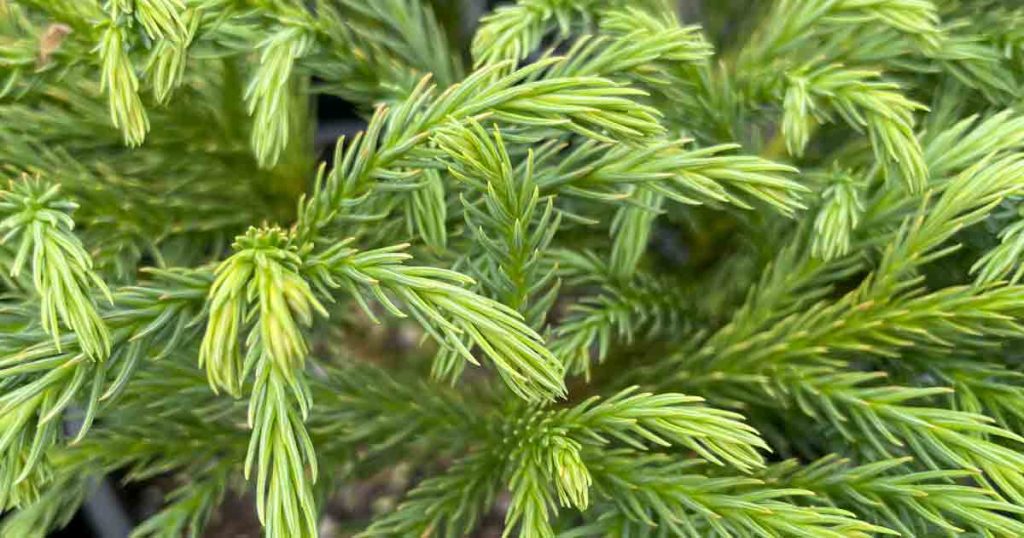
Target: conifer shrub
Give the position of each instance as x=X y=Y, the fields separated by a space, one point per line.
x=754 y=277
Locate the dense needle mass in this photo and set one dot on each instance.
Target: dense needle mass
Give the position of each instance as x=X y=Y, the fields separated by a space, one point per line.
x=592 y=270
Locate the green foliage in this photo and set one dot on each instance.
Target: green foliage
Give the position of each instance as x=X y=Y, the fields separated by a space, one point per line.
x=62 y=272
x=268 y=95
x=446 y=311
x=901 y=498
x=653 y=495
x=122 y=87
x=755 y=275
x=862 y=102
x=838 y=216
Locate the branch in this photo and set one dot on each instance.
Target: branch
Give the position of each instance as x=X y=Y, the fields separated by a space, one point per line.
x=447 y=312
